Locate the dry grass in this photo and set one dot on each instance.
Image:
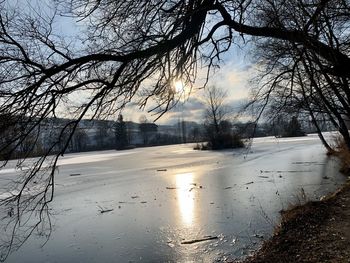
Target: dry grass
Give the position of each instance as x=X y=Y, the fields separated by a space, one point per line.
x=343 y=153
x=318 y=231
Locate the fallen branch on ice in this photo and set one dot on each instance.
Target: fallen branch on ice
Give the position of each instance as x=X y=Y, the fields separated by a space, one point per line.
x=198 y=240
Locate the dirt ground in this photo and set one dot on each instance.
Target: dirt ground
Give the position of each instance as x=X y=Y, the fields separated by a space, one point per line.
x=314 y=232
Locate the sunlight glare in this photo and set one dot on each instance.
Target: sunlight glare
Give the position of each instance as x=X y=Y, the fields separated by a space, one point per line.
x=179 y=86
x=185 y=197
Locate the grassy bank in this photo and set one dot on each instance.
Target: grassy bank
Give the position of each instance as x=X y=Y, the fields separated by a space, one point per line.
x=318 y=231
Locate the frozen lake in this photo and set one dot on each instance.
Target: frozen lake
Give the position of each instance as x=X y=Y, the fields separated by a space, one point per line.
x=163 y=196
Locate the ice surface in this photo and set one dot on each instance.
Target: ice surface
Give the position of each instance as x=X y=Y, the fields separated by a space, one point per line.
x=161 y=196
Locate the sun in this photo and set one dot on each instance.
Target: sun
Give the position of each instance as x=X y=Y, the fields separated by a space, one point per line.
x=178 y=86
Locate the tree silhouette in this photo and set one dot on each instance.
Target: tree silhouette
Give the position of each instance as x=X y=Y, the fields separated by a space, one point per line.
x=146 y=129
x=134 y=50
x=217 y=120
x=121 y=136
x=293 y=129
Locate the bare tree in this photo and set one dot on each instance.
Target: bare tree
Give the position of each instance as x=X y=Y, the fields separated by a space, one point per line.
x=217 y=122
x=103 y=134
x=216 y=108
x=298 y=79
x=134 y=50
x=146 y=129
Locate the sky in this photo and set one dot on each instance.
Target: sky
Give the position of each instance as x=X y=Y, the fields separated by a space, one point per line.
x=233 y=76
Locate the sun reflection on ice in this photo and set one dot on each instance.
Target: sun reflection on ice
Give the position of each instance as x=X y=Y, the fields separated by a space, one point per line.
x=185 y=197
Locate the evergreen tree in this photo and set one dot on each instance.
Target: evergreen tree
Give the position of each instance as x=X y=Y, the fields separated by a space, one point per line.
x=293 y=129
x=121 y=137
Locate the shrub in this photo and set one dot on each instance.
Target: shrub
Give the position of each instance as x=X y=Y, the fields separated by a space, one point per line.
x=342 y=151
x=221 y=141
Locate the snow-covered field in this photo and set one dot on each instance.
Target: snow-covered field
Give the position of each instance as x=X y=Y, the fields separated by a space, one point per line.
x=162 y=196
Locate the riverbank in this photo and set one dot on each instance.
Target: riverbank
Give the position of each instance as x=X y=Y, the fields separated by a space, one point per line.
x=315 y=232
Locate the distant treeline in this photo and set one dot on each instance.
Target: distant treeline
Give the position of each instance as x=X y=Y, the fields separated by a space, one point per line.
x=90 y=135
